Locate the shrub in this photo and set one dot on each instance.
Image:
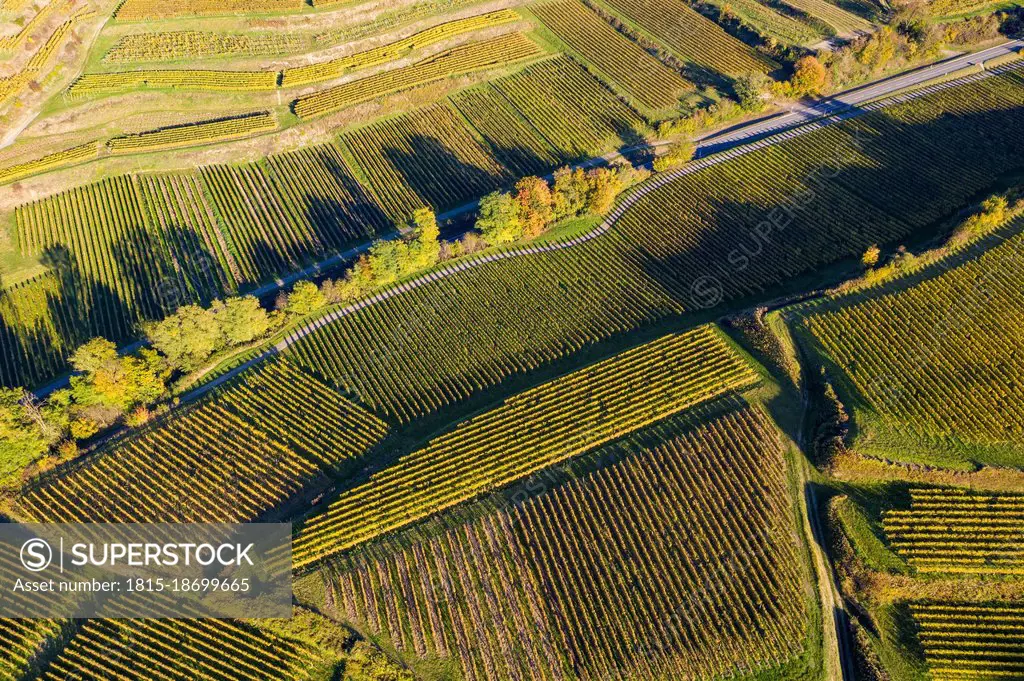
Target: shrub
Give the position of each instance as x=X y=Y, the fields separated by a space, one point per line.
x=677 y=155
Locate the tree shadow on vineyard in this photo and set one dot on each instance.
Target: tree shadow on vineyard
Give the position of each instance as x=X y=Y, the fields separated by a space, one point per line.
x=703 y=76
x=438 y=177
x=632 y=141
x=716 y=249
x=22 y=349
x=339 y=225
x=354 y=214
x=521 y=161
x=81 y=307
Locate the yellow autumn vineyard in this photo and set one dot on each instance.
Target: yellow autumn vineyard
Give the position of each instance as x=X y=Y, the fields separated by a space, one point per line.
x=125 y=81
x=328 y=70
x=192 y=134
x=465 y=59
x=59 y=159
x=528 y=432
x=959 y=531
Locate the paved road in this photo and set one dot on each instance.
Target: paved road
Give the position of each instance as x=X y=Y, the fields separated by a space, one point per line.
x=808 y=111
x=742 y=139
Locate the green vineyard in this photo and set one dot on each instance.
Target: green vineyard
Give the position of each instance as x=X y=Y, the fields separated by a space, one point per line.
x=689 y=245
x=216 y=461
x=281 y=212
x=485 y=54
x=692 y=36
x=133 y=248
x=949 y=375
x=676 y=562
x=839 y=19
x=643 y=77
x=957 y=531
x=969 y=642
x=574 y=111
x=24 y=642
x=536 y=340
x=550 y=423
x=518 y=146
x=425 y=158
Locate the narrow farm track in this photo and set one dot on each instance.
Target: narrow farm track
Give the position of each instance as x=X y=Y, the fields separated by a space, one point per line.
x=609 y=222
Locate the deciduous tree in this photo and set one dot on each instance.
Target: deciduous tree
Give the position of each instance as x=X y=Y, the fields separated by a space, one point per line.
x=498 y=220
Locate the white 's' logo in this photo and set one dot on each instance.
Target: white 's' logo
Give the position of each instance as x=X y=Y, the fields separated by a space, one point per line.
x=36 y=555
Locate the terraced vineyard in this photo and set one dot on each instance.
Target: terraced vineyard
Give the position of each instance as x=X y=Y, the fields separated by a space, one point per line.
x=205 y=132
x=328 y=70
x=476 y=56
x=93 y=84
x=692 y=36
x=216 y=461
x=574 y=111
x=959 y=531
x=35 y=69
x=644 y=78
x=59 y=159
x=677 y=561
x=179 y=45
x=140 y=10
x=18 y=40
x=553 y=422
x=968 y=642
x=949 y=372
x=425 y=158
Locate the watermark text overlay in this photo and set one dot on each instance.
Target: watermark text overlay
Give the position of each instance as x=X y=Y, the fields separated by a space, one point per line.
x=146 y=570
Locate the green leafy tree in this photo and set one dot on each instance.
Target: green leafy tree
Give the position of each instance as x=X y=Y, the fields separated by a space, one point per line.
x=679 y=153
x=427 y=245
x=188 y=338
x=571 y=193
x=498 y=220
x=22 y=440
x=388 y=260
x=305 y=299
x=241 y=320
x=113 y=382
x=751 y=91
